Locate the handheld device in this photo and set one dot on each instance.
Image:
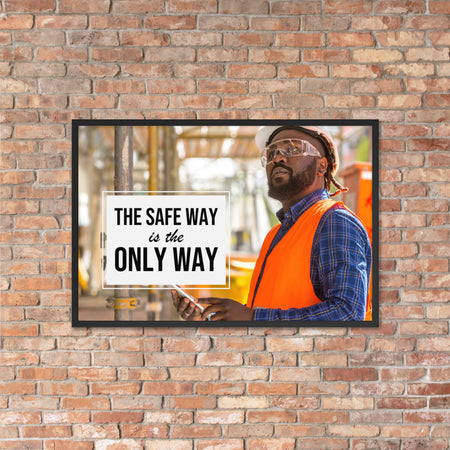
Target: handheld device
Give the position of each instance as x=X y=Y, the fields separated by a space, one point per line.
x=188 y=296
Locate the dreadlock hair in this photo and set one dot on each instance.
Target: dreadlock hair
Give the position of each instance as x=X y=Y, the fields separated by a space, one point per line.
x=328 y=175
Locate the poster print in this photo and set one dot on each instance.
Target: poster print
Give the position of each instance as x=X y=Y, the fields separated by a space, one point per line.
x=225 y=223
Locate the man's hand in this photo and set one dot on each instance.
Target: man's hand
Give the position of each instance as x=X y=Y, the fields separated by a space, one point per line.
x=224 y=309
x=186 y=309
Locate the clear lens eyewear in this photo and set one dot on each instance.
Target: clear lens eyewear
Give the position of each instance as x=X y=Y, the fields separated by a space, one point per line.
x=287 y=148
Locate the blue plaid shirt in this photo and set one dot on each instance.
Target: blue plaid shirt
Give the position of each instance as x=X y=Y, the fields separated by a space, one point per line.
x=341 y=259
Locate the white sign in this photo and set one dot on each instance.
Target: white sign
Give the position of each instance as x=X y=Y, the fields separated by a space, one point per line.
x=165 y=239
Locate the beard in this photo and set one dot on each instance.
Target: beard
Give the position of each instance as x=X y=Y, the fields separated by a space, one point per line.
x=295 y=184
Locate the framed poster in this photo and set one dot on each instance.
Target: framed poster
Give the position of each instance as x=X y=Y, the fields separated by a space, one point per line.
x=233 y=222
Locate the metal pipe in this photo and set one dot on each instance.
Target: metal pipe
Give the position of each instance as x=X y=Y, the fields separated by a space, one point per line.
x=123 y=181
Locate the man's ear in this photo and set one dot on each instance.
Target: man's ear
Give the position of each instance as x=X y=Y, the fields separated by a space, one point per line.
x=322 y=166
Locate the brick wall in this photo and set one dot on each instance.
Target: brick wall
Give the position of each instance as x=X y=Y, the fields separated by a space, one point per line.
x=65 y=388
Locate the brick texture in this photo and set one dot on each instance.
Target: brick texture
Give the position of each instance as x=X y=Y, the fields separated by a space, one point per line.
x=180 y=389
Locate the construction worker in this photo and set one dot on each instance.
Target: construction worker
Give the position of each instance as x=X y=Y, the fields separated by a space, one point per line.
x=316 y=264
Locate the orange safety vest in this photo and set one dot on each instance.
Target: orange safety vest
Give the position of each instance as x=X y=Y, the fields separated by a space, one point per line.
x=286 y=282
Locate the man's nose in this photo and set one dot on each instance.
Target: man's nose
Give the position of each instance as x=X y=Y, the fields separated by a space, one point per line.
x=279 y=155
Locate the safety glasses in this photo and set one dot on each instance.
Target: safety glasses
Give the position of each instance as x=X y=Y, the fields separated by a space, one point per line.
x=288 y=148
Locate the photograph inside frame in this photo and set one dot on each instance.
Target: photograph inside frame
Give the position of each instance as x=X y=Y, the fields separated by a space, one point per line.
x=294 y=238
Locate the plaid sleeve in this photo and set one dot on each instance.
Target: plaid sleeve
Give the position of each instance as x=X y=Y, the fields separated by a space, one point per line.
x=340 y=271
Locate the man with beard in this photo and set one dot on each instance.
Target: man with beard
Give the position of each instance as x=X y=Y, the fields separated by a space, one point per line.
x=316 y=264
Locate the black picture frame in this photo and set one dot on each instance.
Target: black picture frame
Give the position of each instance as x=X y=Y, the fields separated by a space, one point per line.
x=78 y=125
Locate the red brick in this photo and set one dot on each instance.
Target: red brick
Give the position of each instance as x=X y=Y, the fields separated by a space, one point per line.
x=165 y=86
x=426 y=54
x=224 y=55
x=18 y=388
x=145 y=431
x=19 y=299
x=40 y=101
x=74 y=403
x=13 y=417
x=300 y=40
x=350 y=101
x=68 y=445
x=244 y=40
x=219 y=388
x=145 y=38
x=196 y=39
x=326 y=55
x=93 y=374
x=130 y=6
x=143 y=374
x=377 y=23
x=265 y=359
x=63 y=389
x=61 y=358
x=377 y=56
x=141 y=402
x=271 y=416
x=427 y=144
x=260 y=55
x=410 y=69
x=350 y=40
x=237 y=7
x=274 y=24
x=213 y=86
x=94 y=38
x=8 y=433
x=38 y=38
x=194 y=101
x=123 y=388
x=220 y=417
x=83 y=6
x=247 y=101
x=17 y=22
x=294 y=100
x=47 y=431
x=64 y=22
x=191 y=6
x=439 y=7
x=144 y=101
x=214 y=22
x=16 y=54
x=437 y=100
x=36 y=283
x=61 y=54
x=39 y=131
x=40 y=373
x=191 y=402
x=347 y=7
x=172 y=54
x=356 y=71
x=199 y=431
x=428 y=114
x=427 y=22
x=172 y=22
x=98 y=431
x=400 y=38
x=428 y=389
x=19 y=268
x=117 y=54
x=295 y=8
x=250 y=430
x=439 y=37
x=15 y=177
x=186 y=345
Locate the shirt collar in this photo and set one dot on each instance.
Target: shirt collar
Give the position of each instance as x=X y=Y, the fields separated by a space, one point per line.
x=296 y=210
